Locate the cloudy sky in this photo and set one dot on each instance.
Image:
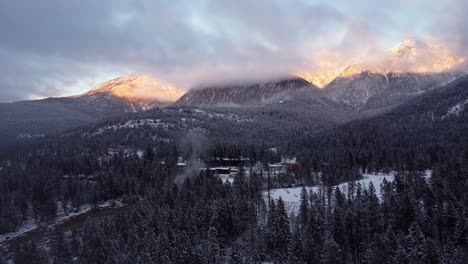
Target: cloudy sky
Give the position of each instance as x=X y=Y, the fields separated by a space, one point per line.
x=56 y=47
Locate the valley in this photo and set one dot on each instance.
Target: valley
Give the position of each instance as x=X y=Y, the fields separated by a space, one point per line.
x=233 y=132
x=258 y=170
x=249 y=155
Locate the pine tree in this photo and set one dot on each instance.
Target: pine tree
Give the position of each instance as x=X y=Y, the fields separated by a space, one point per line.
x=400 y=256
x=163 y=250
x=460 y=235
x=313 y=242
x=60 y=250
x=280 y=231
x=304 y=207
x=372 y=213
x=149 y=154
x=30 y=254
x=415 y=243
x=295 y=248
x=271 y=218
x=431 y=252
x=331 y=252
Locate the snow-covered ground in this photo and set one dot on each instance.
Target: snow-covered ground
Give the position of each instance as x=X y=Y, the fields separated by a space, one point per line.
x=227 y=178
x=27 y=135
x=127 y=152
x=456 y=109
x=27 y=226
x=227 y=116
x=292 y=196
x=30 y=225
x=133 y=124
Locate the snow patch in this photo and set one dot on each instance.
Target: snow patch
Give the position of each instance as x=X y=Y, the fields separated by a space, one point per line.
x=292 y=196
x=29 y=136
x=30 y=225
x=134 y=124
x=456 y=109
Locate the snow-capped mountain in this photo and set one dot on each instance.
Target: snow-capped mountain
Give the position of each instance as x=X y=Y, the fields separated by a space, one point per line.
x=127 y=94
x=409 y=56
x=320 y=80
x=369 y=90
x=410 y=68
x=131 y=93
x=418 y=55
x=245 y=94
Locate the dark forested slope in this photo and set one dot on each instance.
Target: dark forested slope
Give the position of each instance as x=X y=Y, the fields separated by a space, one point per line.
x=429 y=129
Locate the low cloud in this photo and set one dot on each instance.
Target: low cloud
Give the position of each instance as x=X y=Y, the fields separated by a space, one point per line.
x=52 y=47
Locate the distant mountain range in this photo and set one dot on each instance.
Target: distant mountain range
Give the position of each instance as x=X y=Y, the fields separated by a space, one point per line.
x=409 y=56
x=359 y=90
x=127 y=94
x=132 y=93
x=369 y=90
x=319 y=128
x=255 y=94
x=409 y=69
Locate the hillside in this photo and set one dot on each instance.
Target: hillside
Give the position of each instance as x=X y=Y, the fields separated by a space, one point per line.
x=245 y=94
x=120 y=96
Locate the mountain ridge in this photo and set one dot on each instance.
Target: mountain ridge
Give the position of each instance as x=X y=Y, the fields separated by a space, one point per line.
x=253 y=94
x=409 y=56
x=390 y=88
x=142 y=92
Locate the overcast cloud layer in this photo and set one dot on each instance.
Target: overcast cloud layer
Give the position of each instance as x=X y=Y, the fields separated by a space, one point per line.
x=55 y=47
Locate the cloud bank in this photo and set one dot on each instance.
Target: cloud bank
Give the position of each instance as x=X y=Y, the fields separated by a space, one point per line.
x=54 y=48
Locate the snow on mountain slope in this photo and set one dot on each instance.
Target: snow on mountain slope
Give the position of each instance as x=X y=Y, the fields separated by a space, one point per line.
x=410 y=68
x=139 y=87
x=409 y=56
x=456 y=109
x=373 y=90
x=419 y=55
x=132 y=93
x=245 y=94
x=319 y=79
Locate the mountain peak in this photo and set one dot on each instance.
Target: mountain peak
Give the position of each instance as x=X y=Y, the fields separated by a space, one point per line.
x=138 y=87
x=409 y=56
x=419 y=56
x=404 y=48
x=319 y=79
x=243 y=94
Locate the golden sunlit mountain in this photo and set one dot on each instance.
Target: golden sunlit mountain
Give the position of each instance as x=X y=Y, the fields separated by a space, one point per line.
x=419 y=56
x=319 y=79
x=138 y=87
x=410 y=56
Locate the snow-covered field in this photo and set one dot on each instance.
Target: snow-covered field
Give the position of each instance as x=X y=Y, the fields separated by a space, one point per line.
x=292 y=196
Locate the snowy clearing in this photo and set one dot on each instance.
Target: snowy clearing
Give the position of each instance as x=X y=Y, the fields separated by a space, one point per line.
x=292 y=196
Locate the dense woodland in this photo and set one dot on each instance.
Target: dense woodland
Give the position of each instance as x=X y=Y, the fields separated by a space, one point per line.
x=206 y=221
x=200 y=219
